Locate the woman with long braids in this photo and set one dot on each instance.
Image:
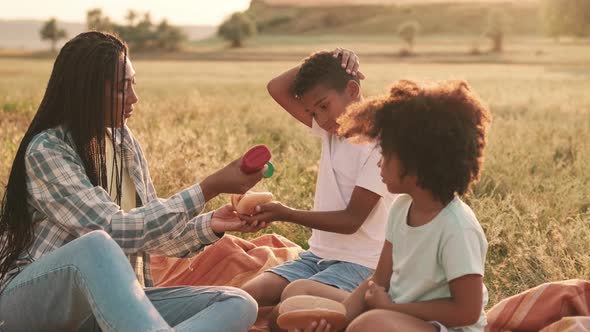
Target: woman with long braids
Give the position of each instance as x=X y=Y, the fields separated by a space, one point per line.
x=80 y=215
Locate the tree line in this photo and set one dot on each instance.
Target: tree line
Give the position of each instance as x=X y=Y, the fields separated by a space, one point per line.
x=559 y=18
x=140 y=32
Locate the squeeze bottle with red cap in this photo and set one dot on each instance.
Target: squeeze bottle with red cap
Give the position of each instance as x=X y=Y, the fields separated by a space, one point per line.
x=256 y=159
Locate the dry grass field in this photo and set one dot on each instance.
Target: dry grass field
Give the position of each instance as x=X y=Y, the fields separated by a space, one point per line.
x=533 y=199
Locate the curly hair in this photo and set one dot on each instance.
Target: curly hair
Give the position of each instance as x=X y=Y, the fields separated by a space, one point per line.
x=321 y=68
x=437 y=131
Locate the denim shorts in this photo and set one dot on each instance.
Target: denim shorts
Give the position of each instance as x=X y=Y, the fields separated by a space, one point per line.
x=343 y=275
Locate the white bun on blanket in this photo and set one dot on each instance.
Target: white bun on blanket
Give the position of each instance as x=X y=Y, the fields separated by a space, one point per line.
x=299 y=311
x=246 y=204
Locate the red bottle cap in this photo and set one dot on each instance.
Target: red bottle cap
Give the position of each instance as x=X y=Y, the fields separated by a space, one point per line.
x=255 y=159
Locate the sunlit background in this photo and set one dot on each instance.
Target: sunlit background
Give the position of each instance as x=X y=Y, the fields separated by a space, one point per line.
x=185 y=12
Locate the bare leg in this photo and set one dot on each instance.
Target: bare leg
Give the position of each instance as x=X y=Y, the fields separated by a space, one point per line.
x=266 y=288
x=388 y=321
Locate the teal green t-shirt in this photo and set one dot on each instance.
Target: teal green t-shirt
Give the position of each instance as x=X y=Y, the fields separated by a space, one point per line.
x=428 y=257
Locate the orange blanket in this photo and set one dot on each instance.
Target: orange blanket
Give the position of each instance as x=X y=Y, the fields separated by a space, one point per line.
x=550 y=307
x=231 y=261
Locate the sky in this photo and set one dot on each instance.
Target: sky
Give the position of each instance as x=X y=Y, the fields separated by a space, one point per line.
x=184 y=12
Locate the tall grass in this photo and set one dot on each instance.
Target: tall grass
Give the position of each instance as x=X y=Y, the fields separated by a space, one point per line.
x=533 y=199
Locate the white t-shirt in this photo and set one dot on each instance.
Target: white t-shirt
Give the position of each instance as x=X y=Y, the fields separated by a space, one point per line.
x=343 y=166
x=427 y=257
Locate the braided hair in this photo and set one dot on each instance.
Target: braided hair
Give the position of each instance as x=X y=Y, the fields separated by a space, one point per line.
x=75 y=98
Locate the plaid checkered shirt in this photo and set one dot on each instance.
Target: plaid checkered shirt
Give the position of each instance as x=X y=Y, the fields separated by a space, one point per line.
x=65 y=205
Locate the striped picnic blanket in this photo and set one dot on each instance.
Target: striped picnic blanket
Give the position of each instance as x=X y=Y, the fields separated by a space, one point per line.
x=555 y=306
x=562 y=306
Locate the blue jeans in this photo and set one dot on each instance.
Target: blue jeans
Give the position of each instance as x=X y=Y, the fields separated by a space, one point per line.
x=89 y=284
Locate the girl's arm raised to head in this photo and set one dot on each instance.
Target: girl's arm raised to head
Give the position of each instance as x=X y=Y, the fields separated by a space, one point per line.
x=355 y=302
x=280 y=89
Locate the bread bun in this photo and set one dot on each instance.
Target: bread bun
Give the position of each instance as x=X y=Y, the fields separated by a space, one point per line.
x=298 y=312
x=235 y=199
x=246 y=204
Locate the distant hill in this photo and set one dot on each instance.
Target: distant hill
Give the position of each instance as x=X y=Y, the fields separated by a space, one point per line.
x=360 y=17
x=322 y=3
x=25 y=33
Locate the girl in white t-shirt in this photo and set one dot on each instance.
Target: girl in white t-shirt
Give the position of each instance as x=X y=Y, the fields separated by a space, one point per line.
x=430 y=273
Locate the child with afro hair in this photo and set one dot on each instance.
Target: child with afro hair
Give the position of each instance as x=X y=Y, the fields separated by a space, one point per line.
x=430 y=273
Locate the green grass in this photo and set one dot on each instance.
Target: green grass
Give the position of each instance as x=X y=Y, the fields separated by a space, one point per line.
x=533 y=199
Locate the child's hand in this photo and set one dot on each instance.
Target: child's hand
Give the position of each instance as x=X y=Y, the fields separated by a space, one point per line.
x=225 y=219
x=350 y=61
x=322 y=326
x=269 y=212
x=376 y=297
